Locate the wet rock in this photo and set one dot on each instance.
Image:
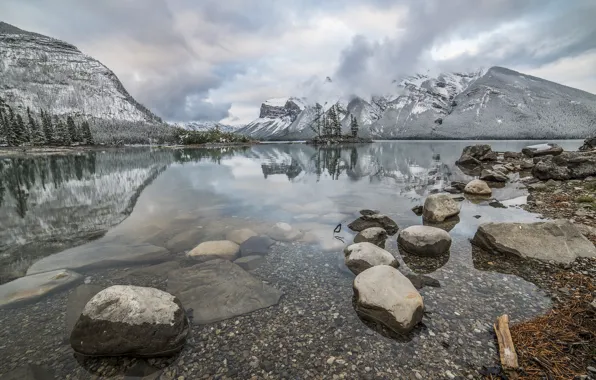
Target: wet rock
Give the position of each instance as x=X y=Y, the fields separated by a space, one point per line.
x=418 y=210
x=439 y=207
x=76 y=303
x=589 y=144
x=468 y=162
x=249 y=262
x=477 y=187
x=132 y=321
x=32 y=288
x=458 y=185
x=183 y=241
x=481 y=152
x=540 y=150
x=420 y=281
x=218 y=248
x=240 y=236
x=30 y=372
x=101 y=255
x=284 y=232
x=512 y=155
x=374 y=220
x=447 y=224
x=256 y=245
x=219 y=289
x=568 y=165
x=361 y=256
x=424 y=240
x=558 y=241
x=493 y=176
x=496 y=204
x=374 y=235
x=386 y=296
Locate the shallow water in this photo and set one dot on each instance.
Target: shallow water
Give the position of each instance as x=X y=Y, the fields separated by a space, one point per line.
x=119 y=200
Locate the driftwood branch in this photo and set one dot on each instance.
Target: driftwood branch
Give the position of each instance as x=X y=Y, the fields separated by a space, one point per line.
x=506 y=347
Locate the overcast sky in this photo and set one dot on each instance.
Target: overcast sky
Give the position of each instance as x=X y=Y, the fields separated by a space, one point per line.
x=219 y=59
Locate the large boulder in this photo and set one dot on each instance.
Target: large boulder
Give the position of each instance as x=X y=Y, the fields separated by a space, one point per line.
x=540 y=150
x=132 y=321
x=32 y=288
x=493 y=176
x=361 y=256
x=284 y=232
x=568 y=165
x=477 y=187
x=480 y=152
x=240 y=236
x=386 y=296
x=438 y=207
x=219 y=289
x=424 y=240
x=558 y=241
x=218 y=248
x=374 y=220
x=374 y=235
x=589 y=144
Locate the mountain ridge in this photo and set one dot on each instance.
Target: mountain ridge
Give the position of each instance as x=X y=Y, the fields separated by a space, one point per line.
x=496 y=103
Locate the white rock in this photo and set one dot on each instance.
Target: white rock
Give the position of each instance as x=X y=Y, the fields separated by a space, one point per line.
x=361 y=256
x=424 y=240
x=477 y=187
x=222 y=248
x=439 y=207
x=386 y=296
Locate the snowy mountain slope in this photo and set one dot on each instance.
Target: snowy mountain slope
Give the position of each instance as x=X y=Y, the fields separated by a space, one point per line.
x=497 y=103
x=203 y=126
x=44 y=73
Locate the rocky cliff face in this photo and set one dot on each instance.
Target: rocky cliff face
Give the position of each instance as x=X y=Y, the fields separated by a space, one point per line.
x=498 y=103
x=44 y=73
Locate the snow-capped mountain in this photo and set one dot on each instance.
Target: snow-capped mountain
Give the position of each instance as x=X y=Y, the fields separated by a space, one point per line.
x=44 y=73
x=496 y=103
x=204 y=126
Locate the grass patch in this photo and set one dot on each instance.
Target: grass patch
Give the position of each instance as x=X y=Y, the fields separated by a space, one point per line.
x=585 y=199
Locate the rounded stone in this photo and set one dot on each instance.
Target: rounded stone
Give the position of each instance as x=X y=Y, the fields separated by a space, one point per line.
x=438 y=207
x=374 y=235
x=477 y=187
x=221 y=248
x=284 y=232
x=424 y=240
x=240 y=236
x=130 y=320
x=362 y=256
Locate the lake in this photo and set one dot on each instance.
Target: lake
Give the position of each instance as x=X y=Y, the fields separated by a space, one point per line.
x=98 y=210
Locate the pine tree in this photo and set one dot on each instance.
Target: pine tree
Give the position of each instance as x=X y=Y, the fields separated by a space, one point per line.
x=86 y=132
x=335 y=126
x=318 y=122
x=37 y=136
x=48 y=129
x=11 y=137
x=72 y=129
x=354 y=126
x=20 y=131
x=3 y=122
x=62 y=135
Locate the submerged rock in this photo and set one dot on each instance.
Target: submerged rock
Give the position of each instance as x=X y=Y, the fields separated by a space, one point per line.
x=374 y=220
x=424 y=240
x=477 y=187
x=558 y=241
x=250 y=262
x=32 y=288
x=132 y=321
x=420 y=281
x=386 y=296
x=439 y=207
x=540 y=150
x=221 y=248
x=418 y=210
x=284 y=232
x=361 y=256
x=374 y=235
x=219 y=289
x=256 y=245
x=240 y=236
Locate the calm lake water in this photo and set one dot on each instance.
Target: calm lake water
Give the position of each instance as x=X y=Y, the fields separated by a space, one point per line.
x=50 y=203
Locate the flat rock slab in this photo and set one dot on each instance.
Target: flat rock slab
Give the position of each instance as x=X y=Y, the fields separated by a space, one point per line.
x=101 y=255
x=219 y=290
x=218 y=248
x=256 y=245
x=558 y=241
x=31 y=288
x=76 y=303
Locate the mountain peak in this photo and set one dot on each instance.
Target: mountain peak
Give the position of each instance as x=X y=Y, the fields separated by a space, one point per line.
x=6 y=28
